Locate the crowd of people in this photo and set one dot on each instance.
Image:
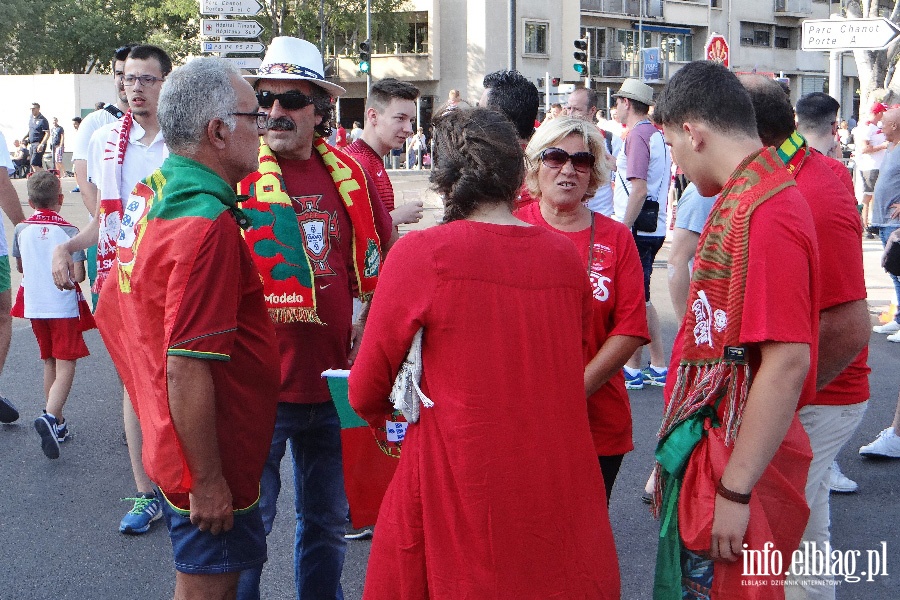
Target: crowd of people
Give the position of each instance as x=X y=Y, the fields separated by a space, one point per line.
x=532 y=299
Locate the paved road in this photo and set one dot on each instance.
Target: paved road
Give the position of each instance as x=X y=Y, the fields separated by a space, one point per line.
x=58 y=519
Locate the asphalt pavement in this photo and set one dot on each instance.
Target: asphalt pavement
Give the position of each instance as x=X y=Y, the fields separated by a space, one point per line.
x=59 y=519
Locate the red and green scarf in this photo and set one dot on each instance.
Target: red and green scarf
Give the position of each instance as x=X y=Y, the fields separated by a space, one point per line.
x=276 y=241
x=714 y=367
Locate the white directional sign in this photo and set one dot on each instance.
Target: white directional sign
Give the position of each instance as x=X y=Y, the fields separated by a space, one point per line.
x=233 y=47
x=848 y=34
x=229 y=7
x=230 y=28
x=246 y=63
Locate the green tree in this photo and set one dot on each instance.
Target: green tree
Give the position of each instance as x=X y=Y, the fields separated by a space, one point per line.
x=876 y=68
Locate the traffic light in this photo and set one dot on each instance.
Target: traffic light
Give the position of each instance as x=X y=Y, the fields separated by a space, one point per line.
x=365 y=56
x=554 y=82
x=581 y=55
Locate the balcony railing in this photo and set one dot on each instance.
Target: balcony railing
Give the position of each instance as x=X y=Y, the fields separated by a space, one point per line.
x=793 y=7
x=652 y=8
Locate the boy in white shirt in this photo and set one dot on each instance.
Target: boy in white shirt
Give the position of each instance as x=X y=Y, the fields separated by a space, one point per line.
x=54 y=313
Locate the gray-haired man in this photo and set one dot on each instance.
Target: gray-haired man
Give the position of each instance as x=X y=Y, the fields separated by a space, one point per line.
x=184 y=319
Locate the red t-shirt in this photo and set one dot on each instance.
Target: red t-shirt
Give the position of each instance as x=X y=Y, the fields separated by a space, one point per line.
x=340 y=137
x=782 y=285
x=307 y=349
x=838 y=230
x=617 y=283
x=842 y=172
x=374 y=167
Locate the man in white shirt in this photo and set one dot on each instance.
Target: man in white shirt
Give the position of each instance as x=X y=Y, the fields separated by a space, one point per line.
x=871 y=146
x=144 y=151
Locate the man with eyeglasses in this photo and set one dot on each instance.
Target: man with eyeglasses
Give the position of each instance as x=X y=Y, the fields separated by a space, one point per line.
x=120 y=155
x=185 y=299
x=318 y=238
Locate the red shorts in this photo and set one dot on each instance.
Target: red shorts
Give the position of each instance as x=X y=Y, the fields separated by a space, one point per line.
x=60 y=338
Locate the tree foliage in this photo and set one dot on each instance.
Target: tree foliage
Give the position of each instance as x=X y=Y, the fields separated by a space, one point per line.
x=876 y=68
x=79 y=36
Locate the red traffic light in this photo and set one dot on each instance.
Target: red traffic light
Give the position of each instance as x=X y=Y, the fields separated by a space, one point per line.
x=555 y=81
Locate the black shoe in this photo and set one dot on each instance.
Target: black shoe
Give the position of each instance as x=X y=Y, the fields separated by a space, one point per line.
x=8 y=411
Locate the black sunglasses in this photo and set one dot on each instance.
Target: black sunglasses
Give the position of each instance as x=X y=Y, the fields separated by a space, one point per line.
x=288 y=100
x=555 y=158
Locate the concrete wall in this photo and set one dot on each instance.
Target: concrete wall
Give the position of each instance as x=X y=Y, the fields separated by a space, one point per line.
x=61 y=96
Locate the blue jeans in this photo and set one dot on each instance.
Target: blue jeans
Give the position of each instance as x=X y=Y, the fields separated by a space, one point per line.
x=314 y=431
x=885 y=232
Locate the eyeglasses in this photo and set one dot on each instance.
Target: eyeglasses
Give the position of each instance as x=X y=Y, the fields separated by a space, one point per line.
x=145 y=80
x=555 y=158
x=288 y=100
x=262 y=118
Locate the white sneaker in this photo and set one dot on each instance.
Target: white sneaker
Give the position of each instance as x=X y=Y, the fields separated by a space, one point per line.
x=889 y=327
x=840 y=483
x=894 y=337
x=886 y=445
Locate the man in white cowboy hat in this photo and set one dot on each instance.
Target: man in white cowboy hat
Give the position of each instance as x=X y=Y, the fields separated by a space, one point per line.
x=642 y=171
x=319 y=231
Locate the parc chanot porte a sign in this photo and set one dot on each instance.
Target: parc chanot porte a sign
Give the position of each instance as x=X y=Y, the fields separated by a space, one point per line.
x=848 y=34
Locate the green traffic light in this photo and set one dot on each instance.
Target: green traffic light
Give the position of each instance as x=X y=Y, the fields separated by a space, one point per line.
x=364 y=67
x=580 y=68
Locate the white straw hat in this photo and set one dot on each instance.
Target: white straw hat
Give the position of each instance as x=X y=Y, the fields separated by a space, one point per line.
x=293 y=58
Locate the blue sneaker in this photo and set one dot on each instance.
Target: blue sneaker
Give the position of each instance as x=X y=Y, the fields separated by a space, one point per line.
x=62 y=432
x=75 y=190
x=8 y=411
x=634 y=382
x=654 y=377
x=45 y=425
x=146 y=510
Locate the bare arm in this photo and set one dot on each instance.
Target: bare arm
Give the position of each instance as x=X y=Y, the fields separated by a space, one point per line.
x=411 y=212
x=684 y=246
x=9 y=199
x=79 y=272
x=635 y=201
x=868 y=148
x=843 y=333
x=61 y=263
x=87 y=188
x=192 y=404
x=609 y=360
x=356 y=334
x=770 y=409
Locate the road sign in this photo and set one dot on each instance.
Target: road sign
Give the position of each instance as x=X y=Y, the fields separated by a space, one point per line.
x=717 y=49
x=230 y=28
x=232 y=47
x=246 y=63
x=229 y=7
x=848 y=34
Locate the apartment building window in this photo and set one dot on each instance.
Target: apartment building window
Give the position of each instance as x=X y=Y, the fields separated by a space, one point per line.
x=536 y=36
x=784 y=38
x=598 y=40
x=810 y=84
x=756 y=34
x=417 y=36
x=677 y=47
x=627 y=41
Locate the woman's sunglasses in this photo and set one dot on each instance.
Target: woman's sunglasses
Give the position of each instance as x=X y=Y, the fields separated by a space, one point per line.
x=288 y=100
x=555 y=158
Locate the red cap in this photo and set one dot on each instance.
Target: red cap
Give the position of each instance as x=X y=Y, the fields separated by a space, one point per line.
x=878 y=108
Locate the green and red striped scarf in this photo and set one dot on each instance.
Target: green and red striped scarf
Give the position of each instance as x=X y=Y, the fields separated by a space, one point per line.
x=276 y=234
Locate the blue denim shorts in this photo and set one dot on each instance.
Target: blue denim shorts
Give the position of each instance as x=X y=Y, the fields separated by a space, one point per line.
x=202 y=553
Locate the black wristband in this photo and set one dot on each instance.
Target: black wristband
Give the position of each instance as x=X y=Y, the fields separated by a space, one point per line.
x=730 y=495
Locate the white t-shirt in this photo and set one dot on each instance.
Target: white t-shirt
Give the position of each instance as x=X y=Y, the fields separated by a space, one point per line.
x=602 y=201
x=34 y=244
x=873 y=134
x=89 y=125
x=140 y=160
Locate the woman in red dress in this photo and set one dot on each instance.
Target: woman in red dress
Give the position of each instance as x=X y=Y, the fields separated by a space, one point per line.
x=497 y=494
x=564 y=170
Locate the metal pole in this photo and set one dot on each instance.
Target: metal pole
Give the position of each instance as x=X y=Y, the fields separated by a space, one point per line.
x=640 y=44
x=547 y=92
x=512 y=35
x=371 y=46
x=587 y=79
x=835 y=75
